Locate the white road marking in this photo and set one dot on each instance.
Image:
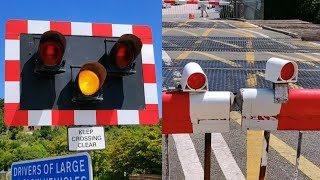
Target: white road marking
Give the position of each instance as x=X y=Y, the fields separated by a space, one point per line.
x=266 y=36
x=166 y=58
x=188 y=157
x=225 y=159
x=260 y=34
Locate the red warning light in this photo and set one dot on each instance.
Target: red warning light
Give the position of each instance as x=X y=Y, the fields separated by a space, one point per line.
x=52 y=47
x=287 y=71
x=51 y=53
x=196 y=80
x=124 y=56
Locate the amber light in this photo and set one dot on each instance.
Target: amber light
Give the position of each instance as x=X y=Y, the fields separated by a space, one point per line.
x=91 y=78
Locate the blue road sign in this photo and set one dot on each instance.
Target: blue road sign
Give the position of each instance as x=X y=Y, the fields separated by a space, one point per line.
x=70 y=167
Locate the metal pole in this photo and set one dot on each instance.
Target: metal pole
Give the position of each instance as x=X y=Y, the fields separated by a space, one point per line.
x=166 y=171
x=207 y=156
x=296 y=173
x=264 y=157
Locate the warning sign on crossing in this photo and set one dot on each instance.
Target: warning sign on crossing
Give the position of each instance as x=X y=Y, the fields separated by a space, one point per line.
x=86 y=138
x=70 y=167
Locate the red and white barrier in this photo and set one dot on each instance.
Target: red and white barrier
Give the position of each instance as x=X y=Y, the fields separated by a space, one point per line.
x=215 y=3
x=280 y=108
x=302 y=112
x=207 y=112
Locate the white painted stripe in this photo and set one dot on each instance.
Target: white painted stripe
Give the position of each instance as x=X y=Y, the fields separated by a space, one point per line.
x=85 y=117
x=126 y=117
x=228 y=24
x=120 y=29
x=166 y=58
x=225 y=159
x=188 y=157
x=265 y=36
x=147 y=54
x=39 y=117
x=38 y=27
x=12 y=92
x=260 y=34
x=316 y=44
x=12 y=50
x=82 y=29
x=317 y=54
x=150 y=93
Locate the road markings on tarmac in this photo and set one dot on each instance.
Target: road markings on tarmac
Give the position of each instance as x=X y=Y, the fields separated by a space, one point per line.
x=250 y=57
x=254 y=140
x=183 y=55
x=224 y=157
x=214 y=57
x=305 y=166
x=310 y=57
x=291 y=85
x=207 y=32
x=291 y=58
x=251 y=80
x=179 y=30
x=188 y=157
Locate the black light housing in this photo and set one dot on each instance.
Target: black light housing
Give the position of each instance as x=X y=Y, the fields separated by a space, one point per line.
x=124 y=53
x=49 y=59
x=87 y=86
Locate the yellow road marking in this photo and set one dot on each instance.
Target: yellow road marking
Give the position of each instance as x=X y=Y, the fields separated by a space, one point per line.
x=179 y=30
x=294 y=86
x=226 y=61
x=250 y=58
x=252 y=80
x=308 y=56
x=184 y=55
x=206 y=33
x=164 y=31
x=305 y=166
x=243 y=24
x=291 y=85
x=231 y=32
x=245 y=34
x=254 y=153
x=305 y=44
x=291 y=58
x=254 y=141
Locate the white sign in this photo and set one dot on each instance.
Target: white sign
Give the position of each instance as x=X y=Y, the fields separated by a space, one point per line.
x=86 y=138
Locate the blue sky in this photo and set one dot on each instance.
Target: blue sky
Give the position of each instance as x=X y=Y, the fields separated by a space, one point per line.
x=142 y=12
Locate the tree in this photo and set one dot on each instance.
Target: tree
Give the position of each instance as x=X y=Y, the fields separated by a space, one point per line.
x=135 y=150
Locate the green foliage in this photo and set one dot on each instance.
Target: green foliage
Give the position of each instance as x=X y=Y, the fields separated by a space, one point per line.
x=308 y=10
x=135 y=150
x=130 y=149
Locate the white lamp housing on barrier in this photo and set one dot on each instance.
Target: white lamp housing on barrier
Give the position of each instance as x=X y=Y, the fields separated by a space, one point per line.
x=193 y=78
x=281 y=71
x=210 y=111
x=258 y=109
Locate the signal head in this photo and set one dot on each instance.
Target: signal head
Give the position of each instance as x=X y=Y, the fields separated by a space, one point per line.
x=193 y=78
x=281 y=71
